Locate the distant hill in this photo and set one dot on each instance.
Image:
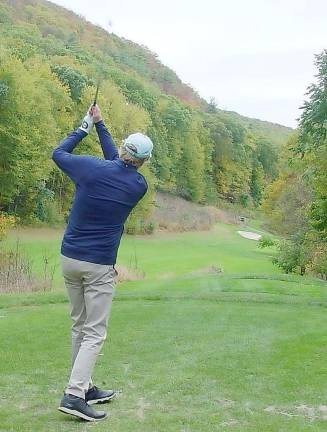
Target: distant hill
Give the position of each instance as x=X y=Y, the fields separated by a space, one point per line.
x=274 y=132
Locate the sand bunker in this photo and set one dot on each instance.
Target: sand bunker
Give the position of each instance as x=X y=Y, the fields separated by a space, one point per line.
x=250 y=235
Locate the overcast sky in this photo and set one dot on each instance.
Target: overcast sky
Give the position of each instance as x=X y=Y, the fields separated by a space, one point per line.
x=255 y=57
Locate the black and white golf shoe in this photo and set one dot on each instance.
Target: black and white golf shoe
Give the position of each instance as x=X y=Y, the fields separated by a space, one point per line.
x=78 y=407
x=95 y=395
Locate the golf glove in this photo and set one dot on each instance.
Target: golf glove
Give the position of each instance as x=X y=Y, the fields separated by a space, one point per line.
x=87 y=123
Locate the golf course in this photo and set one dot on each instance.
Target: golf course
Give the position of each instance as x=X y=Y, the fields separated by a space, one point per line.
x=210 y=337
x=163 y=216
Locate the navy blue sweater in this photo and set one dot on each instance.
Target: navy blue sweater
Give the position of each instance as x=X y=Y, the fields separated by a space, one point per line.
x=105 y=193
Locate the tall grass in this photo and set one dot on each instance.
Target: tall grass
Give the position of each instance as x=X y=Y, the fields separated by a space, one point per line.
x=17 y=275
x=175 y=214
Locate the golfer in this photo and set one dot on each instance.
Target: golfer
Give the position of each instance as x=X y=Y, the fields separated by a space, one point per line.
x=106 y=190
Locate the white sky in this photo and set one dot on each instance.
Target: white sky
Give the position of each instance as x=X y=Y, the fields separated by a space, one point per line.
x=254 y=56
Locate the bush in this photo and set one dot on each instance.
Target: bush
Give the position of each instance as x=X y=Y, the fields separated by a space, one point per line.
x=149 y=227
x=139 y=226
x=6 y=222
x=291 y=257
x=4 y=91
x=266 y=242
x=319 y=260
x=53 y=215
x=244 y=199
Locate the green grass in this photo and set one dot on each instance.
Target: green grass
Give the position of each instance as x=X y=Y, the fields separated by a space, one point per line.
x=162 y=254
x=188 y=351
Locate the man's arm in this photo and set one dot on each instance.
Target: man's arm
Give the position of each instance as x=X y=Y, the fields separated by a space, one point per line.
x=107 y=144
x=75 y=166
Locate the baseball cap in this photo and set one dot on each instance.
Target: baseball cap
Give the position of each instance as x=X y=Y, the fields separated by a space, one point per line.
x=138 y=145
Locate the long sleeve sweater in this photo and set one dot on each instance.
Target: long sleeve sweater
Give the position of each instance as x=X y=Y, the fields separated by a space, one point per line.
x=106 y=190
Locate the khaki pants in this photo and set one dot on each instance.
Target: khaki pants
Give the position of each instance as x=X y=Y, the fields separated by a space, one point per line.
x=90 y=289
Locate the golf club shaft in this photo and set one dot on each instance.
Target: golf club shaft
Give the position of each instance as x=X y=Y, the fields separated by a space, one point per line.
x=96 y=94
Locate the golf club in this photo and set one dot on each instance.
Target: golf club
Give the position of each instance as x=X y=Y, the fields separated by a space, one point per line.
x=96 y=94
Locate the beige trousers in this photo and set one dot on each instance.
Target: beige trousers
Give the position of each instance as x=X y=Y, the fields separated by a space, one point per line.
x=90 y=289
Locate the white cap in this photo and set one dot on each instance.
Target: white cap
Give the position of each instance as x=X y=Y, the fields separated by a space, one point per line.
x=138 y=145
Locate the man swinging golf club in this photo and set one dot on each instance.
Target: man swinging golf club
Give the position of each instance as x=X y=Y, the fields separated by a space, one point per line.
x=106 y=192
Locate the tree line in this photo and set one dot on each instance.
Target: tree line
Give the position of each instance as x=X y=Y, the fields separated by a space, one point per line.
x=296 y=202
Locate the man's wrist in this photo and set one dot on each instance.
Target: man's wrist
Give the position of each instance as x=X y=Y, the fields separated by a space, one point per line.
x=81 y=132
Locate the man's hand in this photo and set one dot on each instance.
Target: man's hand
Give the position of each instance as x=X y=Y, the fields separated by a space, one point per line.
x=87 y=122
x=95 y=113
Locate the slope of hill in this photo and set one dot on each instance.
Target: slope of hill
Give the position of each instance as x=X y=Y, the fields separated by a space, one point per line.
x=55 y=22
x=51 y=19
x=277 y=134
x=51 y=57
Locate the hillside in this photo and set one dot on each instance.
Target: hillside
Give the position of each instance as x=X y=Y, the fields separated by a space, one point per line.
x=72 y=31
x=275 y=133
x=51 y=20
x=51 y=57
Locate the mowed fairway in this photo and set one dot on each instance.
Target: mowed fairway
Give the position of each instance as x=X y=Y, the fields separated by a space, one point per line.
x=187 y=350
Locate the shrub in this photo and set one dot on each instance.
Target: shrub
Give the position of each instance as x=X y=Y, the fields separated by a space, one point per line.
x=4 y=91
x=319 y=260
x=244 y=199
x=265 y=242
x=6 y=222
x=291 y=257
x=139 y=226
x=53 y=215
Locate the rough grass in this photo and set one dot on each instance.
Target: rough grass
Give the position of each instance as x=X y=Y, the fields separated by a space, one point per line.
x=189 y=349
x=126 y=274
x=16 y=272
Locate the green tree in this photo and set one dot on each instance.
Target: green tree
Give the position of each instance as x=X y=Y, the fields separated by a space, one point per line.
x=313 y=127
x=257 y=183
x=297 y=200
x=73 y=79
x=26 y=137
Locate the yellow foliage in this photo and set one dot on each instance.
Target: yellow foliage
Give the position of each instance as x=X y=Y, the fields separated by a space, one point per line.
x=6 y=222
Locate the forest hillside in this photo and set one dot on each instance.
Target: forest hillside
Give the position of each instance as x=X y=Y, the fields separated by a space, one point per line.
x=50 y=62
